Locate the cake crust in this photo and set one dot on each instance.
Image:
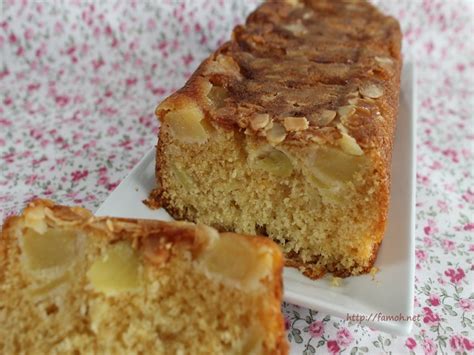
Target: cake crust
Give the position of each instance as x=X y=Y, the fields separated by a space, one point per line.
x=346 y=53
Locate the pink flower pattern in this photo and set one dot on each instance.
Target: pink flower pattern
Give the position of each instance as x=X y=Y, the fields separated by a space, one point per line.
x=455 y=276
x=456 y=343
x=410 y=343
x=344 y=337
x=429 y=346
x=430 y=318
x=467 y=305
x=461 y=344
x=333 y=347
x=316 y=329
x=78 y=86
x=434 y=300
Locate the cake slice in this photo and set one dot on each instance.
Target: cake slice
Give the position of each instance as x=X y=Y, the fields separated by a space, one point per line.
x=287 y=131
x=71 y=283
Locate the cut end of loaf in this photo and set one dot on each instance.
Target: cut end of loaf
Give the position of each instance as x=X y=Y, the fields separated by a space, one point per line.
x=287 y=131
x=315 y=202
x=74 y=283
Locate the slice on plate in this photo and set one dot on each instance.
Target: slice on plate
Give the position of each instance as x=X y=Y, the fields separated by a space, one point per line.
x=74 y=283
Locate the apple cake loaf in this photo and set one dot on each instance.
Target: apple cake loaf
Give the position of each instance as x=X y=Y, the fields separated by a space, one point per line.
x=287 y=131
x=74 y=284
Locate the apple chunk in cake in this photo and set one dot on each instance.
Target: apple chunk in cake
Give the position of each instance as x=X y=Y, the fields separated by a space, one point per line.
x=287 y=131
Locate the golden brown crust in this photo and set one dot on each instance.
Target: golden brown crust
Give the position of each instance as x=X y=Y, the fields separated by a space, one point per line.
x=115 y=228
x=300 y=61
x=314 y=271
x=112 y=227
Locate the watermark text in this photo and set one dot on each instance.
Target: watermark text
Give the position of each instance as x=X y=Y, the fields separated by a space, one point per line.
x=381 y=317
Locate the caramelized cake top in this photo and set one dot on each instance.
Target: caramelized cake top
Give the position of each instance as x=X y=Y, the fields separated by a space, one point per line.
x=155 y=237
x=304 y=72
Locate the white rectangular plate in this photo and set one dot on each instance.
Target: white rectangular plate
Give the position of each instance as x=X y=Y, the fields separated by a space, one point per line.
x=390 y=293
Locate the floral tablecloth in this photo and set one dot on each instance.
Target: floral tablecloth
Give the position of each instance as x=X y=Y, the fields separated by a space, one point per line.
x=79 y=81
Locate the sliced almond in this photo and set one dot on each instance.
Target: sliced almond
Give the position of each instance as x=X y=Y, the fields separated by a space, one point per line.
x=268 y=97
x=295 y=123
x=223 y=64
x=298 y=29
x=385 y=63
x=349 y=145
x=259 y=121
x=295 y=3
x=372 y=91
x=322 y=118
x=384 y=60
x=345 y=112
x=353 y=97
x=269 y=126
x=327 y=116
